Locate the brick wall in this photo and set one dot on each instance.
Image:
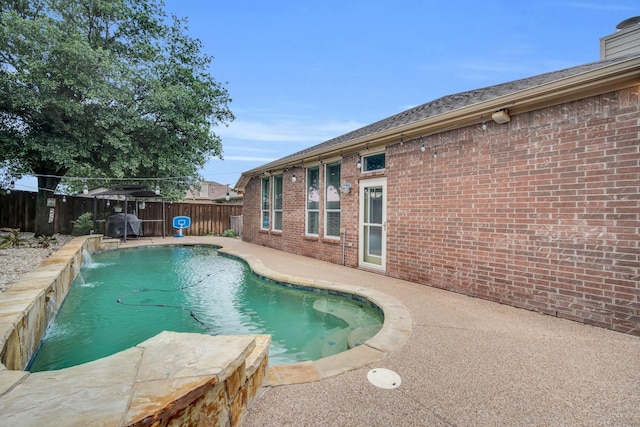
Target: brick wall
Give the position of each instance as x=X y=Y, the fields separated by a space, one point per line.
x=292 y=237
x=541 y=213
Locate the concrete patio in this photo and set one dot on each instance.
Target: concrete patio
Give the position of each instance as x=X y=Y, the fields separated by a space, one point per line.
x=467 y=362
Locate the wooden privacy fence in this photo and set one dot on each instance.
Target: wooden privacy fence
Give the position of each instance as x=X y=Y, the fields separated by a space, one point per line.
x=18 y=210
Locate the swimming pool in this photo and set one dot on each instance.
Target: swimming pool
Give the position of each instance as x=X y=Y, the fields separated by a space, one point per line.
x=129 y=295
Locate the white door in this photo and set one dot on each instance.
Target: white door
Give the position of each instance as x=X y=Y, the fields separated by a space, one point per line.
x=373 y=223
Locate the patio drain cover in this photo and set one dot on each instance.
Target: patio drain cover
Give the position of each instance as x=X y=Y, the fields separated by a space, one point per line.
x=384 y=378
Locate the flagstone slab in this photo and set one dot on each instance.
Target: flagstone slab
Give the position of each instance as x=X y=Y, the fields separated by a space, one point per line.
x=170 y=376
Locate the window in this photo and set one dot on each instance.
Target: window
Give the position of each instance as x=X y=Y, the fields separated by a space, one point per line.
x=373 y=163
x=277 y=202
x=313 y=200
x=332 y=200
x=264 y=224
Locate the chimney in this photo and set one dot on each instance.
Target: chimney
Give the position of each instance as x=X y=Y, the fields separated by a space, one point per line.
x=626 y=39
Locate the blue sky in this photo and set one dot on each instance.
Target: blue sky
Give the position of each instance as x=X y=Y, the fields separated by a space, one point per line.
x=303 y=72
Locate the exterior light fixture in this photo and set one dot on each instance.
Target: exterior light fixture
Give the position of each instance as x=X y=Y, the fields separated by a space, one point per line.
x=12 y=185
x=64 y=199
x=346 y=187
x=501 y=117
x=435 y=151
x=108 y=202
x=359 y=163
x=484 y=125
x=85 y=189
x=157 y=190
x=142 y=205
x=227 y=197
x=293 y=177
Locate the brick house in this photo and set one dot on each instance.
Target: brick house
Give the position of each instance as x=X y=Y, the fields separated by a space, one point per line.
x=213 y=192
x=525 y=193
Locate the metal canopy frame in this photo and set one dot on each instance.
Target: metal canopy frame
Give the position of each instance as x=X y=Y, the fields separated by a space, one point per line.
x=127 y=193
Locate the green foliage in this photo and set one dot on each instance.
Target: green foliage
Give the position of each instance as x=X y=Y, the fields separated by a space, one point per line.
x=229 y=233
x=12 y=239
x=43 y=242
x=83 y=225
x=105 y=89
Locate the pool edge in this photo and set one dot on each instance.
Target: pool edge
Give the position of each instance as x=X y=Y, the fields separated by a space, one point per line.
x=217 y=386
x=391 y=338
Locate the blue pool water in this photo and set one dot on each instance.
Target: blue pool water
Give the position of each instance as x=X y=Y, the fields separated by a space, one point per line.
x=127 y=296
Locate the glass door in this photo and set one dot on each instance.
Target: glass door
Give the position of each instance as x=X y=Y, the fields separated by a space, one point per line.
x=373 y=223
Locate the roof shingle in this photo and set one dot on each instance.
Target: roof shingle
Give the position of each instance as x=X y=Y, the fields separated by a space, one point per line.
x=453 y=102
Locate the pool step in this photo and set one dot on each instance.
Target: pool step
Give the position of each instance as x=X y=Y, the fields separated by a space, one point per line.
x=336 y=343
x=341 y=311
x=343 y=339
x=361 y=334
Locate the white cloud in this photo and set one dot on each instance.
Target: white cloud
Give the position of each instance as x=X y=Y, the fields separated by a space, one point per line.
x=474 y=68
x=249 y=143
x=287 y=130
x=252 y=149
x=494 y=72
x=250 y=158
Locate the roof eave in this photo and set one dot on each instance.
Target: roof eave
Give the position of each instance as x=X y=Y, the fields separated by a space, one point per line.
x=589 y=83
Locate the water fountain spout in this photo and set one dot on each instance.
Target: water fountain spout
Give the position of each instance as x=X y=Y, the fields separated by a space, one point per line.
x=86 y=257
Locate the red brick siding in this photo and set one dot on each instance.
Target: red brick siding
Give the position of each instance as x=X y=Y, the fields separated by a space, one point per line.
x=292 y=237
x=540 y=213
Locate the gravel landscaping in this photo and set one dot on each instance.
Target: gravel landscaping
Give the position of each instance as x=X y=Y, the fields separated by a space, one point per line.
x=16 y=261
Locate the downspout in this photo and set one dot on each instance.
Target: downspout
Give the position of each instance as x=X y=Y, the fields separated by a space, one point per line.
x=344 y=238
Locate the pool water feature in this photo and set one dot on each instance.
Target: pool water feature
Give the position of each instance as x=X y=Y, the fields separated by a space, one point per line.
x=130 y=295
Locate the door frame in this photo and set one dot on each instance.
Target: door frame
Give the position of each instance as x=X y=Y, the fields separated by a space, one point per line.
x=364 y=184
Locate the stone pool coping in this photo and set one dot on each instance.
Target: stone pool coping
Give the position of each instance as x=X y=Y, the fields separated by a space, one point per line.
x=391 y=338
x=30 y=399
x=203 y=380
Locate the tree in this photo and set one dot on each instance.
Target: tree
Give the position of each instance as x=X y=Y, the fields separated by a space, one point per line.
x=104 y=89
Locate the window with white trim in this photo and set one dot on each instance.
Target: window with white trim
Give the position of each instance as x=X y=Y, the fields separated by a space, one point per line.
x=373 y=162
x=264 y=206
x=313 y=201
x=332 y=200
x=277 y=202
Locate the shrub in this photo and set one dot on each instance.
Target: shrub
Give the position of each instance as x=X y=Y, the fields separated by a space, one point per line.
x=229 y=233
x=83 y=225
x=44 y=241
x=12 y=239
